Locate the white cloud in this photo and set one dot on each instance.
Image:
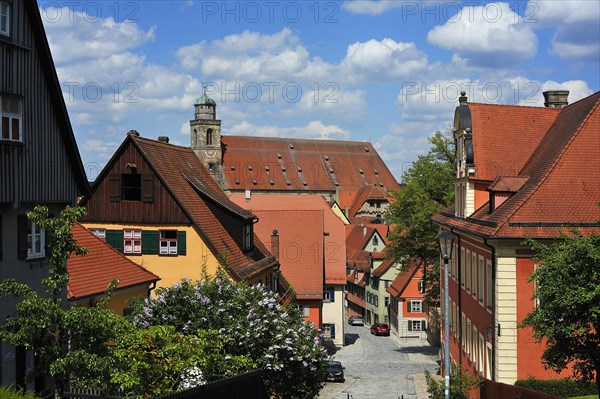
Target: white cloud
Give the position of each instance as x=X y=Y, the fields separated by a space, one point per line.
x=313 y=130
x=76 y=35
x=487 y=36
x=382 y=60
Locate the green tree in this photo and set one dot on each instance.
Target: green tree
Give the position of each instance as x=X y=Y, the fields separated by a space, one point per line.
x=46 y=326
x=428 y=187
x=250 y=323
x=567 y=315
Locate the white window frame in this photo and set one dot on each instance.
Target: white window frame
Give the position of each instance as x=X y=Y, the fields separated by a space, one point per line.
x=481 y=291
x=416 y=323
x=474 y=275
x=489 y=294
x=304 y=310
x=100 y=233
x=170 y=247
x=132 y=241
x=462 y=267
x=11 y=115
x=35 y=235
x=5 y=18
x=413 y=306
x=328 y=294
x=467 y=275
x=247 y=236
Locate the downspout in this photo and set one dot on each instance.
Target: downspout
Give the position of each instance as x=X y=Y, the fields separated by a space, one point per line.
x=493 y=360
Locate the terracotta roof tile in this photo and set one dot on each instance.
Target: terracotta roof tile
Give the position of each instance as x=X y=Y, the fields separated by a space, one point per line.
x=310 y=165
x=198 y=193
x=364 y=194
x=91 y=274
x=401 y=282
x=564 y=166
x=334 y=240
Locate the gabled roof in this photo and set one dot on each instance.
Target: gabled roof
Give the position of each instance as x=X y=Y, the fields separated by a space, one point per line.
x=364 y=194
x=334 y=228
x=196 y=190
x=55 y=92
x=383 y=268
x=282 y=164
x=562 y=187
x=400 y=285
x=91 y=274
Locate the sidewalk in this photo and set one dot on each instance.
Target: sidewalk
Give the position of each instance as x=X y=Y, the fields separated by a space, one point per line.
x=429 y=356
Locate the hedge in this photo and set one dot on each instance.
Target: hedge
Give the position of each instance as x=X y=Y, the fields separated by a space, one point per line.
x=563 y=387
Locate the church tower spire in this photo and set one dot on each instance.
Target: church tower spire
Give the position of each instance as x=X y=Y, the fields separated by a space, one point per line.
x=205 y=133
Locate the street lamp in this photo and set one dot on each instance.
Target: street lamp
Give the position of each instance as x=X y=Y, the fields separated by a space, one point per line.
x=446 y=240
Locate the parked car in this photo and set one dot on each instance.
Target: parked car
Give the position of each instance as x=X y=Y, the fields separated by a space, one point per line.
x=356 y=321
x=380 y=329
x=335 y=371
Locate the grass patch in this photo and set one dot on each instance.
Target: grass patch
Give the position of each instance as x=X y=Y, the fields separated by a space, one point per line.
x=585 y=397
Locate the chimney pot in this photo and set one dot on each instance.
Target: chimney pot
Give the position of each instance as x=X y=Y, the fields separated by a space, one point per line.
x=462 y=100
x=164 y=139
x=134 y=133
x=556 y=98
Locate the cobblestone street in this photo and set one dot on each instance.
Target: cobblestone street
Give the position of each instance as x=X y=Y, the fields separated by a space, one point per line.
x=382 y=367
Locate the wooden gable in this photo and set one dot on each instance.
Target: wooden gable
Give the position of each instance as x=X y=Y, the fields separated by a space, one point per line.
x=129 y=191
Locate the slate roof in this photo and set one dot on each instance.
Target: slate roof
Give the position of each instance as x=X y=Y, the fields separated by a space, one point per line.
x=334 y=240
x=91 y=274
x=282 y=164
x=562 y=171
x=180 y=170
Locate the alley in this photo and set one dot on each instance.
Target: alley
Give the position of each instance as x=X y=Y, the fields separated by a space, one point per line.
x=381 y=367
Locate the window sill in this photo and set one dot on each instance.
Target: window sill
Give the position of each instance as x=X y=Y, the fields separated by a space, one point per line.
x=169 y=255
x=34 y=258
x=132 y=253
x=11 y=143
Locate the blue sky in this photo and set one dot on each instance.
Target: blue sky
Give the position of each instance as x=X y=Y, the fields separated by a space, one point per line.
x=388 y=72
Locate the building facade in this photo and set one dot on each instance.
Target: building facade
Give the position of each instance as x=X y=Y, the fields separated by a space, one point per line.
x=407 y=305
x=512 y=184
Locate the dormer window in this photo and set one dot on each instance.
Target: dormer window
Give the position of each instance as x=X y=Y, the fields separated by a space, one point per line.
x=131 y=187
x=4 y=18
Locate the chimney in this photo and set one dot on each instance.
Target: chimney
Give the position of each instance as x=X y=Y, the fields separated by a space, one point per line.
x=462 y=100
x=556 y=98
x=164 y=139
x=275 y=244
x=134 y=133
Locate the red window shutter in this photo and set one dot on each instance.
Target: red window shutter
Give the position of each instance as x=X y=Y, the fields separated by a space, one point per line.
x=148 y=188
x=114 y=187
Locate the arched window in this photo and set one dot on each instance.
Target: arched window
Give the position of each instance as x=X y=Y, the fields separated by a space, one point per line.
x=209 y=137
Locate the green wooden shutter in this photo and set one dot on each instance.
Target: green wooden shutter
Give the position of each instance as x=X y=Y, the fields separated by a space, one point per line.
x=409 y=325
x=148 y=188
x=114 y=238
x=150 y=242
x=114 y=187
x=408 y=307
x=181 y=243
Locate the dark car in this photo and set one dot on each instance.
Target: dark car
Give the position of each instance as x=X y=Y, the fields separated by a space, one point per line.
x=335 y=371
x=356 y=321
x=380 y=329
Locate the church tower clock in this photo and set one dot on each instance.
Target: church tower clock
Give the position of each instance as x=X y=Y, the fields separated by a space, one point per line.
x=205 y=133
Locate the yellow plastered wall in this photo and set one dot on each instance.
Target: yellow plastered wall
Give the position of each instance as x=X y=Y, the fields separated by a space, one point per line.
x=118 y=302
x=171 y=269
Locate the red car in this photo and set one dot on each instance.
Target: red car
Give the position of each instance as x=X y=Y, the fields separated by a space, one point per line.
x=380 y=329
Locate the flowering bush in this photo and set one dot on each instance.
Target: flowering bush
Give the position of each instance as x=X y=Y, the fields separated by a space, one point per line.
x=251 y=324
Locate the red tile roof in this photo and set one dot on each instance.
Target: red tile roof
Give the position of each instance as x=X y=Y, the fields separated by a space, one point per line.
x=334 y=240
x=180 y=170
x=300 y=247
x=281 y=164
x=357 y=237
x=401 y=283
x=364 y=194
x=91 y=274
x=383 y=268
x=562 y=187
x=504 y=136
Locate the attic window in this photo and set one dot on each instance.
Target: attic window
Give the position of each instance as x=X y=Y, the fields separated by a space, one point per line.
x=330 y=169
x=279 y=156
x=283 y=168
x=131 y=187
x=304 y=183
x=271 y=182
x=375 y=171
x=237 y=181
x=366 y=149
x=11 y=111
x=291 y=146
x=267 y=168
x=254 y=181
x=232 y=167
x=249 y=167
x=361 y=171
x=288 y=182
x=299 y=168
x=326 y=158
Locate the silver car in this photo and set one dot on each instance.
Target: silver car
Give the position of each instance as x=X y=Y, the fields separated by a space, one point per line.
x=356 y=321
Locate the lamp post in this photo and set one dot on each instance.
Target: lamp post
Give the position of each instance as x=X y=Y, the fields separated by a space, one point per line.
x=446 y=240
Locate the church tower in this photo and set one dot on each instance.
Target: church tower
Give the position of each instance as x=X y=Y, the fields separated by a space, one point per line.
x=205 y=133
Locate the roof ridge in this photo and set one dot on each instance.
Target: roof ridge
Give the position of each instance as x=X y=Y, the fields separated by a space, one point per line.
x=161 y=143
x=556 y=160
x=297 y=139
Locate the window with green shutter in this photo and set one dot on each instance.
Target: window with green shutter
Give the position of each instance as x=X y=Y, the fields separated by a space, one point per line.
x=149 y=242
x=181 y=243
x=114 y=238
